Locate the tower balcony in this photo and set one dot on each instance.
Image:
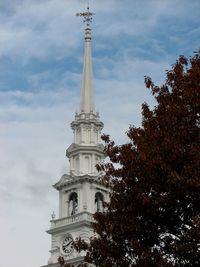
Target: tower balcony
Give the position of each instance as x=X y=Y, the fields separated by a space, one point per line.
x=70 y=221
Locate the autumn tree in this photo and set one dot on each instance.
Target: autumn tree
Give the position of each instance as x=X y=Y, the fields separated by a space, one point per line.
x=153 y=218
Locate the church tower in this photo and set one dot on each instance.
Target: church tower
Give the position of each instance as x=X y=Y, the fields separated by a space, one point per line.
x=80 y=192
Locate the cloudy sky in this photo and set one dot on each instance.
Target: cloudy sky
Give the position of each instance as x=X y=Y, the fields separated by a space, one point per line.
x=41 y=56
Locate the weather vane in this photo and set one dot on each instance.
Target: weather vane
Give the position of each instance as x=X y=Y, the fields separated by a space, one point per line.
x=87 y=16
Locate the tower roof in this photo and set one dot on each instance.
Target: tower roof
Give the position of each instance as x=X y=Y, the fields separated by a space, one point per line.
x=87 y=95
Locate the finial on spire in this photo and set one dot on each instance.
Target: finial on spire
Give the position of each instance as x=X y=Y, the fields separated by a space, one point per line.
x=87 y=16
x=53 y=216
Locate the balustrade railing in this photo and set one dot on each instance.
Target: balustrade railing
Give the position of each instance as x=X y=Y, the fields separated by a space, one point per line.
x=82 y=216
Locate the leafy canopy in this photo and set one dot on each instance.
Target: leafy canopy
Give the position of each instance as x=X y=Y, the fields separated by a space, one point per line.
x=153 y=217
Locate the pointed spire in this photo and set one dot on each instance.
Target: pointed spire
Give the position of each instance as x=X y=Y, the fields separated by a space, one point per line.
x=87 y=95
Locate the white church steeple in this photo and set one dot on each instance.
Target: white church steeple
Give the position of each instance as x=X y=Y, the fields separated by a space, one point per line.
x=87 y=96
x=80 y=192
x=86 y=151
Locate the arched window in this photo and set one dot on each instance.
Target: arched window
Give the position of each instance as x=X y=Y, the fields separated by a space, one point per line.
x=99 y=202
x=73 y=204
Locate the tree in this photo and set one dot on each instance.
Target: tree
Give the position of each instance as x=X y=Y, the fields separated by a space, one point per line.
x=153 y=217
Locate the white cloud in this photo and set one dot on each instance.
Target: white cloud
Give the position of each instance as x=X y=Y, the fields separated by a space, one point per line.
x=32 y=157
x=35 y=121
x=38 y=28
x=41 y=29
